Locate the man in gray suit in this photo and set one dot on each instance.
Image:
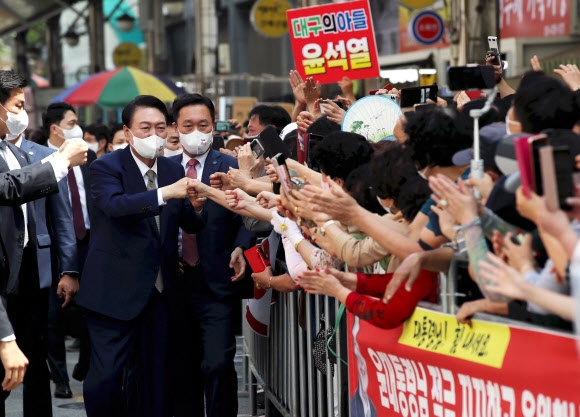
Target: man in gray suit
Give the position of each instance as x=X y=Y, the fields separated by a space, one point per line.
x=56 y=250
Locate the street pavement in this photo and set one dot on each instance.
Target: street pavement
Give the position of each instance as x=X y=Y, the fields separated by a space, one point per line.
x=74 y=407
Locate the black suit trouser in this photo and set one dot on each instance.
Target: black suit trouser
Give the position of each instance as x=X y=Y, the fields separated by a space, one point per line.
x=28 y=314
x=127 y=372
x=202 y=351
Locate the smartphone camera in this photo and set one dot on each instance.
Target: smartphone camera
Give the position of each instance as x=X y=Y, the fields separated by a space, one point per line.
x=257 y=148
x=222 y=126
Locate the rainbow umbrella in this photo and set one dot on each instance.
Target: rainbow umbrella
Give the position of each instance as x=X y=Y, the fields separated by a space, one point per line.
x=116 y=88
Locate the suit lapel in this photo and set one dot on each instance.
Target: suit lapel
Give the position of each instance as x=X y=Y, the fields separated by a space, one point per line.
x=163 y=179
x=211 y=166
x=4 y=164
x=20 y=157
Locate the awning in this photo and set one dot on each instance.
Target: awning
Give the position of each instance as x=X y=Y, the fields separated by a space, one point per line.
x=18 y=15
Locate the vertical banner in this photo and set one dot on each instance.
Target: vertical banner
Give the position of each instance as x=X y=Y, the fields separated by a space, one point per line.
x=534 y=18
x=333 y=41
x=434 y=366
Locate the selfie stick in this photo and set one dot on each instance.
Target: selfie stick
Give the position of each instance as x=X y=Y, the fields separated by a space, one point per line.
x=477 y=162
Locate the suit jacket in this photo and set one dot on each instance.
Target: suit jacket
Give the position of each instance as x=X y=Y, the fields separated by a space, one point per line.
x=126 y=249
x=17 y=187
x=27 y=184
x=12 y=229
x=55 y=234
x=223 y=232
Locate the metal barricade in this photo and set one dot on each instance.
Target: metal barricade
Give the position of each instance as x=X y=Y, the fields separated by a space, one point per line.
x=282 y=364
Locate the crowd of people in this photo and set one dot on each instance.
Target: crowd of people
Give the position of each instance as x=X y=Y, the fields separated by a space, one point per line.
x=148 y=221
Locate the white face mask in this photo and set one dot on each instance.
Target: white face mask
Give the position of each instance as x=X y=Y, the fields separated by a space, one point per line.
x=74 y=133
x=121 y=146
x=171 y=152
x=509 y=122
x=389 y=210
x=11 y=136
x=16 y=122
x=196 y=143
x=150 y=147
x=93 y=146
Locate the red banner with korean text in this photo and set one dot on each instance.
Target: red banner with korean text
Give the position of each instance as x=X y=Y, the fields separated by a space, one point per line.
x=333 y=41
x=434 y=366
x=534 y=18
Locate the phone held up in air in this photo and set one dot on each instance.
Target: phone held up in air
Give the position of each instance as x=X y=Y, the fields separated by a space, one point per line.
x=418 y=95
x=279 y=162
x=471 y=77
x=494 y=51
x=257 y=148
x=224 y=126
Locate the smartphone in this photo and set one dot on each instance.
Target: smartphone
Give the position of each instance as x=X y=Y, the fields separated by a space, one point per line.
x=257 y=148
x=494 y=50
x=522 y=149
x=270 y=141
x=387 y=87
x=535 y=143
x=222 y=126
x=279 y=162
x=297 y=183
x=564 y=175
x=418 y=95
x=557 y=176
x=471 y=77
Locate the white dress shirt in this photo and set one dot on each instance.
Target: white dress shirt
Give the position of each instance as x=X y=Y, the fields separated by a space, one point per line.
x=144 y=168
x=199 y=168
x=82 y=191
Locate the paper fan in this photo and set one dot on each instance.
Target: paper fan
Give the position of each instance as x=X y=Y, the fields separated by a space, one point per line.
x=374 y=117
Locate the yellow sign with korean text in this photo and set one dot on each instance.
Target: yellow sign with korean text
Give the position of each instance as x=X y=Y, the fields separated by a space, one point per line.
x=483 y=343
x=269 y=17
x=127 y=54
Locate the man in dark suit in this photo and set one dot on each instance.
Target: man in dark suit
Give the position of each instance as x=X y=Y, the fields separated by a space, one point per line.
x=58 y=265
x=213 y=268
x=129 y=276
x=59 y=123
x=17 y=187
x=27 y=304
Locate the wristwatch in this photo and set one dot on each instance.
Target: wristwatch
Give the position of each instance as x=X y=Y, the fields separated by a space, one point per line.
x=73 y=274
x=324 y=226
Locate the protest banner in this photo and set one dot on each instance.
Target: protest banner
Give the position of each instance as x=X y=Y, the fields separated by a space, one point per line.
x=434 y=366
x=333 y=41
